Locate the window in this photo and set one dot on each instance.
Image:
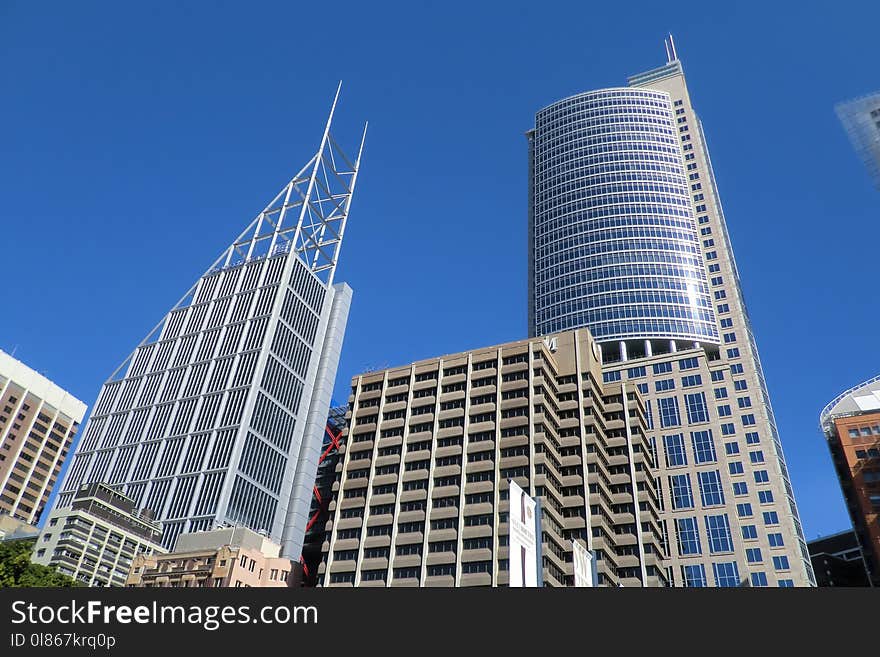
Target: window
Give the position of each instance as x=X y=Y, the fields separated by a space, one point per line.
x=662 y=368
x=694 y=575
x=781 y=563
x=680 y=489
x=688 y=363
x=744 y=510
x=711 y=493
x=771 y=518
x=744 y=402
x=726 y=574
x=664 y=384
x=761 y=477
x=608 y=377
x=786 y=583
x=691 y=380
x=750 y=532
x=718 y=530
x=727 y=429
x=718 y=375
x=752 y=438
x=748 y=420
x=765 y=496
x=753 y=555
x=724 y=411
x=756 y=457
x=740 y=488
x=735 y=467
x=736 y=368
x=723 y=308
x=731 y=448
x=704 y=447
x=775 y=540
x=720 y=393
x=759 y=579
x=697 y=410
x=669 y=416
x=740 y=385
x=688 y=536
x=635 y=372
x=675 y=453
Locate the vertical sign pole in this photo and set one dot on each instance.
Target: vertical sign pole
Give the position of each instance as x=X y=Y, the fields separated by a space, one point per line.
x=539 y=542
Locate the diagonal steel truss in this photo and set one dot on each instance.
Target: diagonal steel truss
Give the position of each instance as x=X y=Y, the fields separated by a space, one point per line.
x=307 y=216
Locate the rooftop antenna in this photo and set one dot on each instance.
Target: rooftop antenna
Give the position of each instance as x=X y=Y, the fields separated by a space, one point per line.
x=671 y=55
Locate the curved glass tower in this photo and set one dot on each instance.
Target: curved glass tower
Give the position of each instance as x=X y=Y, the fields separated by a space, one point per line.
x=614 y=237
x=627 y=237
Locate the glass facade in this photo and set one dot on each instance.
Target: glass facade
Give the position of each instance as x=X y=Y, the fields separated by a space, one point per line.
x=861 y=120
x=615 y=240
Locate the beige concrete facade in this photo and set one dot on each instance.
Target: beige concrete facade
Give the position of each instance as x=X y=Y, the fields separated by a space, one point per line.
x=421 y=497
x=230 y=557
x=96 y=538
x=38 y=421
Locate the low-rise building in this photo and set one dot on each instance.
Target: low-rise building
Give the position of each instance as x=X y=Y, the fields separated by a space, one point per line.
x=96 y=538
x=230 y=556
x=838 y=560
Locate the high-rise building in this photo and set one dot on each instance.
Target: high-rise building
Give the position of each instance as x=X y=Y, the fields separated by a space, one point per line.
x=217 y=417
x=430 y=448
x=38 y=421
x=323 y=494
x=838 y=560
x=627 y=237
x=861 y=120
x=96 y=537
x=851 y=424
x=232 y=556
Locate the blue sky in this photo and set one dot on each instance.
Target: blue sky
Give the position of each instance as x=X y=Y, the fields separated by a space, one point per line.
x=138 y=141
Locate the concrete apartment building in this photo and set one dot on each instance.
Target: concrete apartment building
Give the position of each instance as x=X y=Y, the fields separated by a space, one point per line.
x=217 y=417
x=861 y=120
x=627 y=237
x=851 y=424
x=38 y=421
x=230 y=556
x=95 y=539
x=429 y=449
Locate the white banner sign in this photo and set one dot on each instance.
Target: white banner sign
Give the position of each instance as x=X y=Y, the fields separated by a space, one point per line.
x=523 y=544
x=583 y=565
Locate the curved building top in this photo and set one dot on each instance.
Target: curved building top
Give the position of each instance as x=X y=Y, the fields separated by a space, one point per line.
x=863 y=398
x=614 y=243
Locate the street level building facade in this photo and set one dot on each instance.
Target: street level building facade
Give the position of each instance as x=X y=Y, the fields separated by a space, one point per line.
x=851 y=424
x=430 y=448
x=838 y=560
x=627 y=237
x=861 y=120
x=225 y=557
x=95 y=539
x=38 y=421
x=218 y=416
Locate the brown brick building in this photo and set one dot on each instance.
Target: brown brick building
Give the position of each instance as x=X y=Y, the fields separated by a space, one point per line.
x=851 y=424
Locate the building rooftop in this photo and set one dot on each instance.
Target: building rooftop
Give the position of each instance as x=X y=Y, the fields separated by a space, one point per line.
x=863 y=398
x=39 y=385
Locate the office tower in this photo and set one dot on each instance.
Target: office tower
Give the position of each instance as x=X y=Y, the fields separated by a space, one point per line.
x=217 y=417
x=232 y=556
x=38 y=421
x=430 y=448
x=838 y=560
x=851 y=424
x=627 y=237
x=323 y=494
x=861 y=120
x=96 y=537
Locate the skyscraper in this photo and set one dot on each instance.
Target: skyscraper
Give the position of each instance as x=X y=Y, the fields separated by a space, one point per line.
x=217 y=417
x=38 y=421
x=627 y=236
x=429 y=449
x=861 y=120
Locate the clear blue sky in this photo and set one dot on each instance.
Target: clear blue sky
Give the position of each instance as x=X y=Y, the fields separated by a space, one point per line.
x=138 y=141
